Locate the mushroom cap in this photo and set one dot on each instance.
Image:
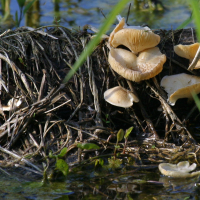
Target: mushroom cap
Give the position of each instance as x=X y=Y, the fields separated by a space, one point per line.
x=180 y=86
x=188 y=52
x=148 y=64
x=181 y=170
x=119 y=96
x=136 y=39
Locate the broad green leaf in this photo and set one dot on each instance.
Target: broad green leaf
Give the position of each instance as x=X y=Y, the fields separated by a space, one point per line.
x=117 y=147
x=120 y=135
x=21 y=3
x=128 y=132
x=87 y=146
x=28 y=5
x=92 y=44
x=62 y=166
x=63 y=152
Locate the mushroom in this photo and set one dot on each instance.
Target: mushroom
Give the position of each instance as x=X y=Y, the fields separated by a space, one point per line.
x=188 y=52
x=13 y=104
x=148 y=64
x=181 y=170
x=180 y=86
x=135 y=38
x=119 y=96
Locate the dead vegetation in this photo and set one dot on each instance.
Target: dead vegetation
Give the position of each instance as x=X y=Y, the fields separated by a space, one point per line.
x=56 y=115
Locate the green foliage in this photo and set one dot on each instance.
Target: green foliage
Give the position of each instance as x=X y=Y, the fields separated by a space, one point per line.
x=196 y=100
x=87 y=146
x=62 y=153
x=23 y=10
x=62 y=166
x=21 y=3
x=92 y=44
x=100 y=162
x=128 y=132
x=196 y=16
x=120 y=135
x=114 y=163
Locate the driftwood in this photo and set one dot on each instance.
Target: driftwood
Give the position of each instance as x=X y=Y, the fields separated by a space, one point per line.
x=56 y=115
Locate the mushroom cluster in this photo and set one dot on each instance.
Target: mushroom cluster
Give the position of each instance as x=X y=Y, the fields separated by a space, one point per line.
x=141 y=60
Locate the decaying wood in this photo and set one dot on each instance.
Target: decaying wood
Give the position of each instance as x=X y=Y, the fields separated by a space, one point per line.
x=56 y=115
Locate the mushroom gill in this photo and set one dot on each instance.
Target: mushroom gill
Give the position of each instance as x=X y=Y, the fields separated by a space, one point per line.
x=146 y=65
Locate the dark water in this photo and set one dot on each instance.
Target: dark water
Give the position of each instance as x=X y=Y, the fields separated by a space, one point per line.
x=137 y=184
x=77 y=13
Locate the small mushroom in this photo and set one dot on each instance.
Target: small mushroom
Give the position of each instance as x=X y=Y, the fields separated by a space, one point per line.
x=13 y=104
x=135 y=38
x=188 y=52
x=148 y=64
x=180 y=86
x=119 y=96
x=181 y=170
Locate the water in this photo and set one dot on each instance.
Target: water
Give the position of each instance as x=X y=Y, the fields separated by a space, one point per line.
x=136 y=184
x=77 y=13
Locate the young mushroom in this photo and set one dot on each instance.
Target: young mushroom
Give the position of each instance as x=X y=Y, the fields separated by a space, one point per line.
x=13 y=104
x=135 y=38
x=180 y=86
x=146 y=65
x=119 y=96
x=181 y=170
x=188 y=52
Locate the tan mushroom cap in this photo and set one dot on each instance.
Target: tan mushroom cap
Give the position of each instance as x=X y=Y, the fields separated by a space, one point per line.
x=119 y=96
x=148 y=64
x=180 y=86
x=188 y=52
x=135 y=39
x=181 y=170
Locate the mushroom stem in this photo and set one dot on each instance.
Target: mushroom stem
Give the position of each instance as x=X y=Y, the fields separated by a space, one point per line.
x=144 y=113
x=195 y=60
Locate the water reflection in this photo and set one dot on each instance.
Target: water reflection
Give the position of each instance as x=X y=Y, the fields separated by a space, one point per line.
x=74 y=13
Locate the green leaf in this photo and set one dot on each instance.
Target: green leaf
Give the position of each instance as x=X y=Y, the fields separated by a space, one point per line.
x=117 y=146
x=99 y=161
x=128 y=132
x=92 y=44
x=51 y=155
x=62 y=166
x=28 y=5
x=120 y=135
x=21 y=3
x=87 y=146
x=63 y=152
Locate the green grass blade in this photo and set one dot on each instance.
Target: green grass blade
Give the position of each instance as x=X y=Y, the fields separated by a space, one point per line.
x=90 y=47
x=196 y=100
x=185 y=23
x=196 y=16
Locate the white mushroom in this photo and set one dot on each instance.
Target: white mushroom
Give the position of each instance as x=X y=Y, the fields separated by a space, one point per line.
x=146 y=65
x=181 y=170
x=119 y=96
x=180 y=86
